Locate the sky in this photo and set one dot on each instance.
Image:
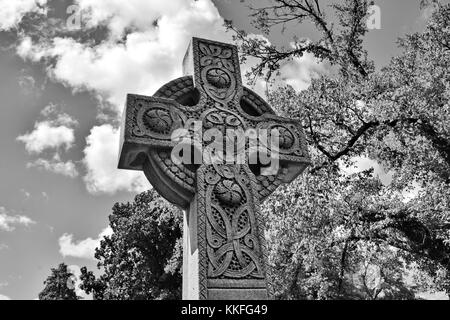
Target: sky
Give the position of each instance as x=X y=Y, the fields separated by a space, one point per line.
x=63 y=83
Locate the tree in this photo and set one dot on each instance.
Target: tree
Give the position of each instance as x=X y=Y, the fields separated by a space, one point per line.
x=329 y=227
x=59 y=285
x=142 y=259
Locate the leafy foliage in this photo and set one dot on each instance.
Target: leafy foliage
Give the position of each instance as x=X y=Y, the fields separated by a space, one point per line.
x=341 y=45
x=142 y=259
x=59 y=285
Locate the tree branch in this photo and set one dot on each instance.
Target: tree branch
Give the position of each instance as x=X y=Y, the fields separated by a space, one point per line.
x=441 y=144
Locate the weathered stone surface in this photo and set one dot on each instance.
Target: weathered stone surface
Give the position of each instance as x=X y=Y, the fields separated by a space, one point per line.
x=224 y=245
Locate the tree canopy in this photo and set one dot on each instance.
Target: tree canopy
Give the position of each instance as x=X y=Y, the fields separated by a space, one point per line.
x=329 y=229
x=60 y=285
x=142 y=259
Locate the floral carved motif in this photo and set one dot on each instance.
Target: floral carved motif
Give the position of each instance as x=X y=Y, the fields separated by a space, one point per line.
x=217 y=72
x=156 y=121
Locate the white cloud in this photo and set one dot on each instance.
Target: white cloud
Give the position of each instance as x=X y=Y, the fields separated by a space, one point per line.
x=55 y=133
x=428 y=10
x=144 y=50
x=411 y=192
x=84 y=249
x=9 y=223
x=26 y=194
x=147 y=58
x=27 y=84
x=45 y=196
x=52 y=111
x=56 y=166
x=47 y=136
x=3 y=246
x=12 y=11
x=76 y=271
x=300 y=71
x=134 y=13
x=25 y=49
x=3 y=298
x=363 y=163
x=101 y=159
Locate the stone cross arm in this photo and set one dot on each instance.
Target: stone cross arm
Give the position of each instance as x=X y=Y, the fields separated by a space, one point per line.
x=212 y=95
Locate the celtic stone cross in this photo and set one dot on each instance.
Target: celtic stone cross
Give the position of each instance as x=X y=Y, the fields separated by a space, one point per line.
x=225 y=255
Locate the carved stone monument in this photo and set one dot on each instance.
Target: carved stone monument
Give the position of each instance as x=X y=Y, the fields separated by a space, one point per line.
x=225 y=254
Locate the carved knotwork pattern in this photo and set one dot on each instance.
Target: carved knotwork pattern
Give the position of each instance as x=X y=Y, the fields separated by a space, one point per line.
x=228 y=192
x=233 y=238
x=221 y=119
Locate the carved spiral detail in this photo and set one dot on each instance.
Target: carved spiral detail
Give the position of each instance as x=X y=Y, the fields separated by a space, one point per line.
x=287 y=139
x=218 y=78
x=234 y=247
x=158 y=120
x=222 y=118
x=229 y=192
